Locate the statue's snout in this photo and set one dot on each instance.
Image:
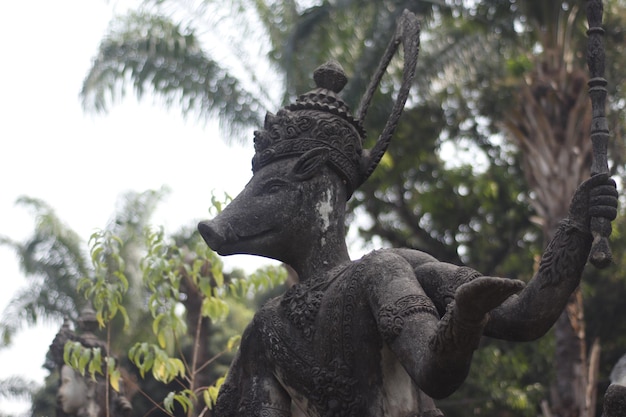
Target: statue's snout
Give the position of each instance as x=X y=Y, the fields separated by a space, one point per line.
x=211 y=234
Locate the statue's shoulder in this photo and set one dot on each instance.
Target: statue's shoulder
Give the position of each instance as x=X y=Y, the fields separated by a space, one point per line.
x=270 y=307
x=413 y=257
x=391 y=263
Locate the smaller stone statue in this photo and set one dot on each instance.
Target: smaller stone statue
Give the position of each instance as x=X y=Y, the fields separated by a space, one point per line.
x=615 y=396
x=78 y=395
x=74 y=395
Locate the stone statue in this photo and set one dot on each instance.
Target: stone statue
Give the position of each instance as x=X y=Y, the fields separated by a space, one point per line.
x=81 y=395
x=614 y=404
x=382 y=335
x=74 y=394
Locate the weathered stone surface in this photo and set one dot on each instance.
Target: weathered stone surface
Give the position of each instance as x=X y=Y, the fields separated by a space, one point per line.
x=615 y=401
x=382 y=335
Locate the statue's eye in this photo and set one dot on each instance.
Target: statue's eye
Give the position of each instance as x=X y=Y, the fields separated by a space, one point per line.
x=274 y=186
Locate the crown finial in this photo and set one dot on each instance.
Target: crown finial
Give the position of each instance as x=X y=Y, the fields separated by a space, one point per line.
x=330 y=76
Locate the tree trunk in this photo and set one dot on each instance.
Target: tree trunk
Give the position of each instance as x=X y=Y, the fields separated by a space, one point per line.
x=551 y=125
x=570 y=387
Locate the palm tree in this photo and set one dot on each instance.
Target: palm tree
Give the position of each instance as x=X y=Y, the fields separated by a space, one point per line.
x=550 y=123
x=54 y=259
x=156 y=50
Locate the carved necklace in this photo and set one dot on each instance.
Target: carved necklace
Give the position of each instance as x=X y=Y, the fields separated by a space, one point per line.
x=302 y=302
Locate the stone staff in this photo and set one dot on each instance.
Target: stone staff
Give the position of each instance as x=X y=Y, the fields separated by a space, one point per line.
x=600 y=255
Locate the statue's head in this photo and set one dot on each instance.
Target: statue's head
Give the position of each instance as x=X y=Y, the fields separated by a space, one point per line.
x=306 y=165
x=318 y=121
x=73 y=393
x=308 y=160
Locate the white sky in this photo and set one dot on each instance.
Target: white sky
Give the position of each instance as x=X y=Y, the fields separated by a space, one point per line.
x=80 y=163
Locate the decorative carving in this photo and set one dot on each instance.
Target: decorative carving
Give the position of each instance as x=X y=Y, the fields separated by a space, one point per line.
x=562 y=256
x=391 y=317
x=293 y=132
x=301 y=306
x=261 y=409
x=328 y=381
x=446 y=293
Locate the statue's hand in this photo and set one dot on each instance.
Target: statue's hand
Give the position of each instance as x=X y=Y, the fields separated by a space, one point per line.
x=596 y=197
x=478 y=297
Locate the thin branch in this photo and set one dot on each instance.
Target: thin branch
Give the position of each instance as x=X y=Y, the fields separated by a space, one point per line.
x=107 y=390
x=208 y=362
x=194 y=361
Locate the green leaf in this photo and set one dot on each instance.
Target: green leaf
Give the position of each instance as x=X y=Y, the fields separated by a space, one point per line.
x=95 y=254
x=156 y=322
x=124 y=314
x=206 y=396
x=66 y=352
x=214 y=308
x=179 y=366
x=95 y=366
x=162 y=339
x=84 y=358
x=216 y=271
x=114 y=373
x=233 y=342
x=168 y=402
x=211 y=393
x=100 y=319
x=184 y=398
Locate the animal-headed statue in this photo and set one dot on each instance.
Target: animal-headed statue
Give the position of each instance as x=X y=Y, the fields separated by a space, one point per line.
x=382 y=335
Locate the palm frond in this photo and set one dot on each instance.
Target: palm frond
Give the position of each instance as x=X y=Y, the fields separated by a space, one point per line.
x=53 y=261
x=131 y=218
x=134 y=211
x=16 y=387
x=35 y=303
x=54 y=250
x=151 y=51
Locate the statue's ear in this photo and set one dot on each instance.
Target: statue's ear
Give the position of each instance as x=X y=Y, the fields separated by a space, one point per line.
x=310 y=163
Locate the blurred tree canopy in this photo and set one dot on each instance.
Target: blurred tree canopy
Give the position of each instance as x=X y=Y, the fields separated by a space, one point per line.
x=162 y=302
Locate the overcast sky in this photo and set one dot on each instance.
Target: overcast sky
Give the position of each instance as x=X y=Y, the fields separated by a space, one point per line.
x=80 y=163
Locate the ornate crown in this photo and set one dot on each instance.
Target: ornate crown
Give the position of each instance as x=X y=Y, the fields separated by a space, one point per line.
x=321 y=119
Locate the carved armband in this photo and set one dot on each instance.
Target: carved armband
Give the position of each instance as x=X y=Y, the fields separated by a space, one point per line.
x=565 y=255
x=391 y=317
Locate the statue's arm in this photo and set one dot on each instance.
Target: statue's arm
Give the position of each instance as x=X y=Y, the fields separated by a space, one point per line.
x=435 y=352
x=530 y=314
x=250 y=388
x=409 y=324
